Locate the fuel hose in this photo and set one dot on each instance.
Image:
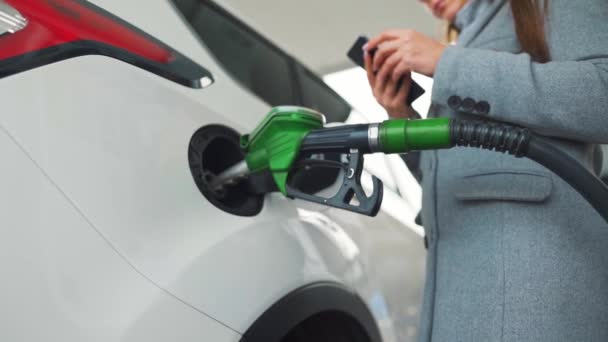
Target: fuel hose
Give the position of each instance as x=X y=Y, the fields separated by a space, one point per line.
x=402 y=136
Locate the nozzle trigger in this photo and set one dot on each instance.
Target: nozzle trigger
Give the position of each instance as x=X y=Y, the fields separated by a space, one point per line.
x=351 y=187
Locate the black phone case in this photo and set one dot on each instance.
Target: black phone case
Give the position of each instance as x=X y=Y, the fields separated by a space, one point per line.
x=356 y=55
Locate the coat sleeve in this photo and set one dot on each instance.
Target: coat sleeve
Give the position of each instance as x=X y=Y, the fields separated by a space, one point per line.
x=566 y=99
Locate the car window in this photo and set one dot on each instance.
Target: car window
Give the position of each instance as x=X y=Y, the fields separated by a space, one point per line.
x=317 y=95
x=256 y=63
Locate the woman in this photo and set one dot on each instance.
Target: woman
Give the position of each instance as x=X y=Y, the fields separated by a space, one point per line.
x=515 y=254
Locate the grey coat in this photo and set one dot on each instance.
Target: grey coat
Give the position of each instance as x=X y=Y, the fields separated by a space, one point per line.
x=514 y=253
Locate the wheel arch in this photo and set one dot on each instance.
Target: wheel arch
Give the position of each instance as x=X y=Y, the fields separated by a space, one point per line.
x=306 y=302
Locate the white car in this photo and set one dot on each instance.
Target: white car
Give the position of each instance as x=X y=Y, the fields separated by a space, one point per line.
x=106 y=235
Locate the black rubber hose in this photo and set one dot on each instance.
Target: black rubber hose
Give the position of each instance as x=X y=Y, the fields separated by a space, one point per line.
x=569 y=169
x=490 y=136
x=521 y=142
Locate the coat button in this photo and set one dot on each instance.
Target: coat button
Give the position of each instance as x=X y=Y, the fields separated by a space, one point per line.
x=482 y=107
x=454 y=102
x=468 y=104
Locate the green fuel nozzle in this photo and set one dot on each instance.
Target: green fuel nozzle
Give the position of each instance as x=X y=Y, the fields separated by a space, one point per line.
x=275 y=143
x=292 y=135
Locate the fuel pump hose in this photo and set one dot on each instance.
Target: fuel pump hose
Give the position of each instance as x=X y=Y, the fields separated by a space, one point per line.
x=401 y=136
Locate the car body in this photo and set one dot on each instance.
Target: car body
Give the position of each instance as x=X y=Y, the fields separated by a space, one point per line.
x=106 y=237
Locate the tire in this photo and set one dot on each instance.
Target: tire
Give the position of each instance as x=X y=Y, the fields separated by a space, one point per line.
x=328 y=327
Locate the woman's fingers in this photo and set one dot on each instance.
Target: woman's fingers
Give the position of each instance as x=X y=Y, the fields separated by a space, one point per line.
x=389 y=92
x=384 y=79
x=384 y=51
x=382 y=37
x=371 y=75
x=368 y=67
x=423 y=53
x=401 y=70
x=391 y=82
x=404 y=90
x=398 y=54
x=397 y=107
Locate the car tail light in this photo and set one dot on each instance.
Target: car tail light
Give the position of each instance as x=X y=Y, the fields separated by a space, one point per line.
x=34 y=33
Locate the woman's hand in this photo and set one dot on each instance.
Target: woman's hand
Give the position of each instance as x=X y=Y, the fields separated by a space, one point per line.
x=389 y=92
x=403 y=51
x=398 y=53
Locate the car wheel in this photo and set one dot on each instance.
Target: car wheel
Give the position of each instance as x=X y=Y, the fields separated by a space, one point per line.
x=328 y=327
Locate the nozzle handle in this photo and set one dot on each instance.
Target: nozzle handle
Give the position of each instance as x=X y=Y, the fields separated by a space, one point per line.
x=351 y=189
x=391 y=136
x=341 y=139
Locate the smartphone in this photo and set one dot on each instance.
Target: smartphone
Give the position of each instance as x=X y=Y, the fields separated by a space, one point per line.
x=356 y=55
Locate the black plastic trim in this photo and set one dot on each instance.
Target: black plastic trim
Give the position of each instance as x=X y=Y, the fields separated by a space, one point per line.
x=294 y=65
x=180 y=70
x=306 y=302
x=241 y=199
